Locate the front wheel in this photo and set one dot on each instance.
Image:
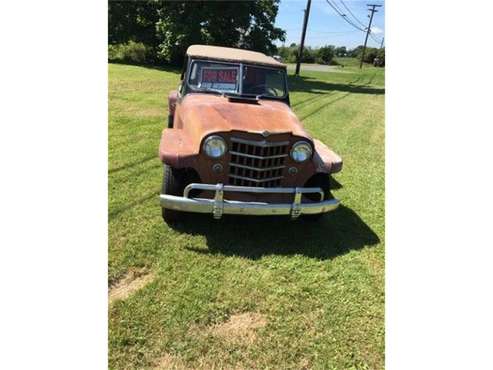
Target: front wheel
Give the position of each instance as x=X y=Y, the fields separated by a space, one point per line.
x=172 y=185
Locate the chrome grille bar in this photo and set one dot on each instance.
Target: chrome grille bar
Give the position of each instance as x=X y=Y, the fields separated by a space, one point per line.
x=258 y=156
x=255 y=163
x=255 y=180
x=256 y=168
x=262 y=143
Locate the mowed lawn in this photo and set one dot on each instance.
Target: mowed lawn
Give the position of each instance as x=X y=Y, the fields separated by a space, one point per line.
x=244 y=293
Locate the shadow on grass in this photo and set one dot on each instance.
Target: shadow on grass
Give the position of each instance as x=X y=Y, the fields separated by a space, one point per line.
x=323 y=106
x=133 y=164
x=314 y=86
x=254 y=237
x=113 y=213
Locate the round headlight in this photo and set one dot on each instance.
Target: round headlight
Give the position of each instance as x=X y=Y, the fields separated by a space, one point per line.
x=301 y=151
x=214 y=146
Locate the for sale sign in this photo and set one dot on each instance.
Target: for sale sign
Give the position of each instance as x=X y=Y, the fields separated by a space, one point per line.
x=220 y=78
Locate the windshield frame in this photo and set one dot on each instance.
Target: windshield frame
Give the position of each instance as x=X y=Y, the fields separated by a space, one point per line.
x=241 y=66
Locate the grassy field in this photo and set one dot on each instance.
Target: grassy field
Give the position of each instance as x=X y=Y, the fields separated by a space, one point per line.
x=247 y=292
x=349 y=62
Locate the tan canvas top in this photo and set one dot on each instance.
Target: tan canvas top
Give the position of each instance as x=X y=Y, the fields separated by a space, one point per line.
x=231 y=54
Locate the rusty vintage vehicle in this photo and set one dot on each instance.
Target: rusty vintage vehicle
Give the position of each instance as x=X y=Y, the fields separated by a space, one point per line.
x=234 y=146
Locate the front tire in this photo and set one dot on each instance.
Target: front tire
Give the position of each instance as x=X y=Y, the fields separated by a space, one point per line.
x=173 y=184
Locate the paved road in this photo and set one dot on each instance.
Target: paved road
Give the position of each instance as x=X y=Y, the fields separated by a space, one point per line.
x=314 y=67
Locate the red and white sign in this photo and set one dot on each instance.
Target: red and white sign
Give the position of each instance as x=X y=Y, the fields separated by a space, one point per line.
x=220 y=78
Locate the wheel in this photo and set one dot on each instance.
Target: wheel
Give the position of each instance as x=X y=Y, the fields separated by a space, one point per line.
x=173 y=184
x=170 y=120
x=318 y=181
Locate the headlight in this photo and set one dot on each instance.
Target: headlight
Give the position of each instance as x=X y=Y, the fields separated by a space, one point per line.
x=214 y=146
x=301 y=151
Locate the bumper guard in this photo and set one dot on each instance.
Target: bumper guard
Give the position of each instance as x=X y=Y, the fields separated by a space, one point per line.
x=219 y=206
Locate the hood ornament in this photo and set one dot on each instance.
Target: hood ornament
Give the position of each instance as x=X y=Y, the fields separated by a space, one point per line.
x=265 y=133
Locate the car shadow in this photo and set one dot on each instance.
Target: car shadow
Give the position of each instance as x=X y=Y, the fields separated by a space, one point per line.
x=254 y=237
x=334 y=184
x=314 y=86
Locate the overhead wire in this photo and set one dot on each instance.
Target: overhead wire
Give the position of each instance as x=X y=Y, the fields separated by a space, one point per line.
x=338 y=10
x=343 y=16
x=350 y=12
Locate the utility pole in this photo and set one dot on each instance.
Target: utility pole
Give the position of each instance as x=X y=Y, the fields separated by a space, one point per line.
x=368 y=30
x=381 y=44
x=303 y=33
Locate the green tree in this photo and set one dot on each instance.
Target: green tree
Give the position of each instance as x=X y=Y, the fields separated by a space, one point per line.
x=325 y=54
x=356 y=52
x=245 y=24
x=132 y=21
x=381 y=56
x=340 y=51
x=167 y=28
x=370 y=55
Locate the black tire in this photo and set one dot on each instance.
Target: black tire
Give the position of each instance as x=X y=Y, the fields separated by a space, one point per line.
x=322 y=181
x=172 y=185
x=170 y=120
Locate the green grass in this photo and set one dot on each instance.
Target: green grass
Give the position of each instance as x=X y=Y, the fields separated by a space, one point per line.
x=319 y=286
x=349 y=62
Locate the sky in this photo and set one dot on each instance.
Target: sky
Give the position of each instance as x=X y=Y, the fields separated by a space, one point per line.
x=326 y=27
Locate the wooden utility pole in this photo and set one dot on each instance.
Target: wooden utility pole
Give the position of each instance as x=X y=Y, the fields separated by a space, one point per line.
x=368 y=30
x=303 y=33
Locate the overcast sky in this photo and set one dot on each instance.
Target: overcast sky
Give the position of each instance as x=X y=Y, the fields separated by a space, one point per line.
x=326 y=27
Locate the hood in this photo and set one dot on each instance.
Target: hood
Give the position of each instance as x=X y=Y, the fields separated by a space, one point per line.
x=206 y=113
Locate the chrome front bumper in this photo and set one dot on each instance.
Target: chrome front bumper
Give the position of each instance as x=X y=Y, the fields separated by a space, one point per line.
x=219 y=206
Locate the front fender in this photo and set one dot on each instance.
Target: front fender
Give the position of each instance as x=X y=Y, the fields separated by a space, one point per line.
x=176 y=150
x=326 y=160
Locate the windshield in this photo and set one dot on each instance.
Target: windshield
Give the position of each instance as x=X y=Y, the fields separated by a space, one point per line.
x=225 y=78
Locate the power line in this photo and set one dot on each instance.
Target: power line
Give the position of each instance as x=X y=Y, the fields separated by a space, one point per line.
x=319 y=31
x=375 y=38
x=343 y=16
x=350 y=12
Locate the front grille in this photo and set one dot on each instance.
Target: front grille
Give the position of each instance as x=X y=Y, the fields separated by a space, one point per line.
x=257 y=163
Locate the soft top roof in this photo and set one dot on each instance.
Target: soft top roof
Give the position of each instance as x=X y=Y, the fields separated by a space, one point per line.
x=232 y=55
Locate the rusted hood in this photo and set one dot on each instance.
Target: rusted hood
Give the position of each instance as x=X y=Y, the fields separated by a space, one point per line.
x=203 y=114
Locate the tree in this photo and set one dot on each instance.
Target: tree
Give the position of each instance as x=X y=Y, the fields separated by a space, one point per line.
x=340 y=51
x=356 y=52
x=370 y=55
x=169 y=27
x=381 y=57
x=132 y=21
x=325 y=54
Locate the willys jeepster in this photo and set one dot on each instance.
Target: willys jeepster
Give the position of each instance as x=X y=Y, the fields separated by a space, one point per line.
x=234 y=146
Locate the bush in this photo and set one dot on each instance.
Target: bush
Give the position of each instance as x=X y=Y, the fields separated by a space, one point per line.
x=308 y=56
x=325 y=54
x=370 y=55
x=131 y=52
x=381 y=57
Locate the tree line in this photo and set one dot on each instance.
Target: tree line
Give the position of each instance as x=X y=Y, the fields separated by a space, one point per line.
x=328 y=54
